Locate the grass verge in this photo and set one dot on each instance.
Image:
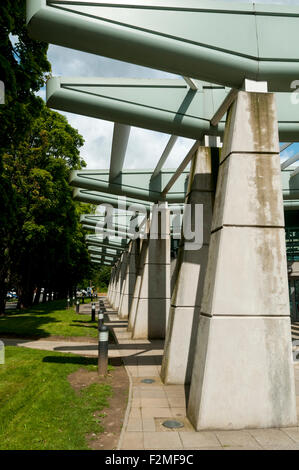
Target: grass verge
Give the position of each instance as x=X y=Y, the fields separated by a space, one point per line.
x=47 y=319
x=39 y=410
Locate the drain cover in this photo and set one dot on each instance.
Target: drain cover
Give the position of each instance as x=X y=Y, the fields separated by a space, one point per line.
x=173 y=424
x=147 y=381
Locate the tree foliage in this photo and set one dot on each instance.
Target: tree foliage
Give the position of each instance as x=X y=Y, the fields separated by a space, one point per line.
x=41 y=241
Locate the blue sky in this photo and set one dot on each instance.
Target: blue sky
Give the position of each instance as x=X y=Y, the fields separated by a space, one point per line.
x=145 y=147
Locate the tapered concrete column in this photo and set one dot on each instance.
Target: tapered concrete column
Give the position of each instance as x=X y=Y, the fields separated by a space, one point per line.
x=123 y=271
x=110 y=284
x=243 y=374
x=116 y=284
x=190 y=273
x=130 y=278
x=121 y=278
x=139 y=271
x=113 y=284
x=154 y=296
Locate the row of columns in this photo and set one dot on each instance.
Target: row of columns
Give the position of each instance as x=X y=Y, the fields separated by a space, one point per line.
x=227 y=324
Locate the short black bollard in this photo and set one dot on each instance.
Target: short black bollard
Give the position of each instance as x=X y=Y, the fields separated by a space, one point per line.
x=103 y=350
x=83 y=299
x=93 y=312
x=77 y=306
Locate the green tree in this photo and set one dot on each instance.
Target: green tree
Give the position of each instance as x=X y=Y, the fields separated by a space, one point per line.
x=23 y=70
x=48 y=248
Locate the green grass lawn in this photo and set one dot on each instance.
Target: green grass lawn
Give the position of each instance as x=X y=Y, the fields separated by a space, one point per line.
x=39 y=410
x=49 y=318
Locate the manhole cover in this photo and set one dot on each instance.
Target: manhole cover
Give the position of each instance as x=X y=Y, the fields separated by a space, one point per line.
x=173 y=424
x=147 y=381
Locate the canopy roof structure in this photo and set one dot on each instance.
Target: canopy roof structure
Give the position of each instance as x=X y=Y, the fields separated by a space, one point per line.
x=133 y=183
x=169 y=106
x=193 y=38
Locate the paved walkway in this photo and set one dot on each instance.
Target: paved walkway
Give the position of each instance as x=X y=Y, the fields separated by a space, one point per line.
x=150 y=404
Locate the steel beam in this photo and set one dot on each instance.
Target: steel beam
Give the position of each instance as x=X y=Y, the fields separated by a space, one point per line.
x=216 y=41
x=289 y=161
x=134 y=183
x=181 y=168
x=161 y=105
x=169 y=146
x=100 y=198
x=121 y=134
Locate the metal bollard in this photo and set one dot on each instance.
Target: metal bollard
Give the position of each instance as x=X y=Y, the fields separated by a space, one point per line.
x=103 y=350
x=77 y=306
x=100 y=318
x=68 y=303
x=93 y=312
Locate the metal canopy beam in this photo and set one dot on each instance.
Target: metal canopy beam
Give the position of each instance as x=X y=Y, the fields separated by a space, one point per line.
x=134 y=183
x=161 y=105
x=285 y=146
x=102 y=262
x=105 y=256
x=191 y=83
x=122 y=231
x=101 y=241
x=190 y=38
x=181 y=168
x=223 y=108
x=169 y=146
x=121 y=134
x=289 y=161
x=119 y=219
x=97 y=197
x=104 y=251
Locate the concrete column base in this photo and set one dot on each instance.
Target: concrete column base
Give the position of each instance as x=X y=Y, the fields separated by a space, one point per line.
x=245 y=378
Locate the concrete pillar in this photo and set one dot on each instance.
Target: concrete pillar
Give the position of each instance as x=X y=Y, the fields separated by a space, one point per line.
x=110 y=286
x=130 y=278
x=136 y=292
x=243 y=374
x=121 y=278
x=116 y=283
x=154 y=296
x=190 y=273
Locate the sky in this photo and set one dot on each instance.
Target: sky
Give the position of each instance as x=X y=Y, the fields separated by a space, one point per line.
x=145 y=147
